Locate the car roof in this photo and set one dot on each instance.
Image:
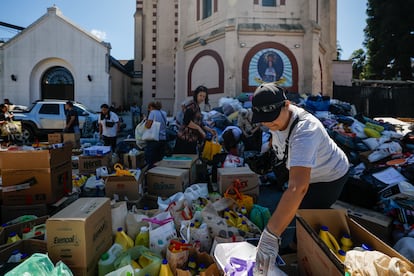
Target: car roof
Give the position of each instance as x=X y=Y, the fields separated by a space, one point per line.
x=55 y=101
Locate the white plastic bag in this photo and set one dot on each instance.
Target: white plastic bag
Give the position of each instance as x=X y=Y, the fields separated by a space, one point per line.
x=119 y=212
x=134 y=221
x=164 y=204
x=196 y=191
x=139 y=131
x=162 y=230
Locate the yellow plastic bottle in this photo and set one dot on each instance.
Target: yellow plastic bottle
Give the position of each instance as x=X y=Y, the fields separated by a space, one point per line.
x=165 y=269
x=346 y=242
x=123 y=239
x=143 y=237
x=341 y=255
x=13 y=237
x=328 y=239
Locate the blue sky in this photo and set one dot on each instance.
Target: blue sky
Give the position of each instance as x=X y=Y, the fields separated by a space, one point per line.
x=113 y=20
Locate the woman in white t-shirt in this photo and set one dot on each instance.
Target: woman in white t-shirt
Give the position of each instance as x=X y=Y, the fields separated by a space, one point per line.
x=317 y=167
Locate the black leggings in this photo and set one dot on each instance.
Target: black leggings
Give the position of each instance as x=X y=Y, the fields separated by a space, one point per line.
x=323 y=194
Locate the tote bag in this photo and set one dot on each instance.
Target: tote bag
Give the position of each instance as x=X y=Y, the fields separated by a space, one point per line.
x=153 y=133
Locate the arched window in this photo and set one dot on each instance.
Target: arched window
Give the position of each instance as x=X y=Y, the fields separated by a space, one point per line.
x=57 y=83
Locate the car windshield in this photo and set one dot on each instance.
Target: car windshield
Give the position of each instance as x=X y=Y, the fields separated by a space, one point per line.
x=85 y=108
x=30 y=107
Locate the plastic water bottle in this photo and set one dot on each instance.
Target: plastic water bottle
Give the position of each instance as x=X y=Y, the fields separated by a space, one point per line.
x=15 y=257
x=13 y=237
x=123 y=239
x=165 y=269
x=328 y=239
x=143 y=237
x=106 y=262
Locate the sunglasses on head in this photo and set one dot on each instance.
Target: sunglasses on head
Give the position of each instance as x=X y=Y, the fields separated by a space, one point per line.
x=268 y=108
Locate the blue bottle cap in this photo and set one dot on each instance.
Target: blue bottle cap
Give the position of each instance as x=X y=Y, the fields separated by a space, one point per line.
x=366 y=247
x=164 y=261
x=347 y=236
x=324 y=228
x=341 y=252
x=120 y=229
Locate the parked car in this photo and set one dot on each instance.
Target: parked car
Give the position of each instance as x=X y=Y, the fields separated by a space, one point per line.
x=48 y=116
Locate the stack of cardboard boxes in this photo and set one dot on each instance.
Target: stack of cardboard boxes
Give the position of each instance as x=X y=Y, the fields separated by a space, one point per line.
x=32 y=179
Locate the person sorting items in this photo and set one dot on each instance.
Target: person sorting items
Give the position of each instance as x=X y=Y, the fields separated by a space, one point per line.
x=318 y=168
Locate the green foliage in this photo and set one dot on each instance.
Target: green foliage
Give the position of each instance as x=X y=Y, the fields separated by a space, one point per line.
x=389 y=39
x=358 y=63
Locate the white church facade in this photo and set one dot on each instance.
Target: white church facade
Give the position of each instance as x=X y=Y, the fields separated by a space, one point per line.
x=232 y=46
x=53 y=58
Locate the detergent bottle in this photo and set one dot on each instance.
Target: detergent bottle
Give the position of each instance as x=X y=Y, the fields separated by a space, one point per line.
x=328 y=239
x=165 y=269
x=123 y=239
x=346 y=242
x=341 y=255
x=143 y=237
x=13 y=237
x=106 y=262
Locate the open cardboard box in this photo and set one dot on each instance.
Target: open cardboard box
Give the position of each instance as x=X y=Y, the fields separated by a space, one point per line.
x=314 y=257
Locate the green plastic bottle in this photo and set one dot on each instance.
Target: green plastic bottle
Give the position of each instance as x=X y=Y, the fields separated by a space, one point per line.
x=143 y=237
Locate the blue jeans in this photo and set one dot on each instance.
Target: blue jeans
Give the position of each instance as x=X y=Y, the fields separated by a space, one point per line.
x=154 y=152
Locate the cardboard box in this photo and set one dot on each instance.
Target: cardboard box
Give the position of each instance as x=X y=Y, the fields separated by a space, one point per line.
x=377 y=223
x=73 y=139
x=36 y=186
x=36 y=159
x=401 y=189
x=97 y=150
x=181 y=161
x=29 y=246
x=314 y=257
x=80 y=233
x=226 y=176
x=163 y=181
x=54 y=138
x=134 y=161
x=88 y=164
x=10 y=212
x=124 y=187
x=18 y=229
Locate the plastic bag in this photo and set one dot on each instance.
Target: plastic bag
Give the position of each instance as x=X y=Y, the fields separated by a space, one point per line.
x=139 y=131
x=39 y=264
x=119 y=212
x=210 y=149
x=162 y=230
x=196 y=191
x=153 y=133
x=196 y=233
x=241 y=199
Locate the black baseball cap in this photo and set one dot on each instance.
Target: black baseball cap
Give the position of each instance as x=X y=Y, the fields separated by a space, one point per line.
x=267 y=102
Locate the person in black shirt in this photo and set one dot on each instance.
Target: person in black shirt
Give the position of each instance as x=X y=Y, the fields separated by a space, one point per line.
x=72 y=119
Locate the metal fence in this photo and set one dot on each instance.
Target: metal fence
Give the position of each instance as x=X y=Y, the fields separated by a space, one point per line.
x=378 y=101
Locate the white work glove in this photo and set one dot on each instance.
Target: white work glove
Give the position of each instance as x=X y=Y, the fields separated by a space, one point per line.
x=267 y=251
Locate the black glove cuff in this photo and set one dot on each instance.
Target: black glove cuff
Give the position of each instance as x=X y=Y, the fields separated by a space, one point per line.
x=274 y=235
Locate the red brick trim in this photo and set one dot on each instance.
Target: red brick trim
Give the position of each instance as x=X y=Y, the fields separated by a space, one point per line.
x=264 y=45
x=220 y=64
